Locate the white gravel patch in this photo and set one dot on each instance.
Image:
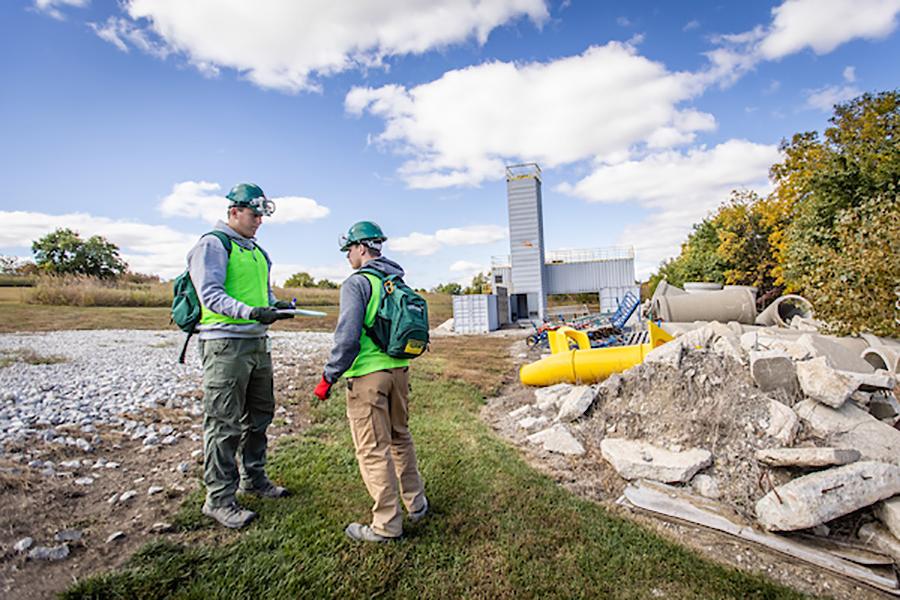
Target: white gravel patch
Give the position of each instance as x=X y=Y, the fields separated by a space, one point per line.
x=107 y=373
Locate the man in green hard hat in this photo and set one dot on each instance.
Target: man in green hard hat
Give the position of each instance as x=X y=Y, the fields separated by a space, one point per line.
x=377 y=393
x=231 y=274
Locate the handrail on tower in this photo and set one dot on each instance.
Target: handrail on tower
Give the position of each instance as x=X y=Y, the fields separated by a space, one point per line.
x=523 y=171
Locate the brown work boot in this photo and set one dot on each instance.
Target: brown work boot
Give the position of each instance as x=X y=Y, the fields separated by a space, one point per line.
x=229 y=515
x=266 y=490
x=364 y=533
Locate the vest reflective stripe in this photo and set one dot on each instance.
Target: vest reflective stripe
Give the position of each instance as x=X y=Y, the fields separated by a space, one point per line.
x=247 y=280
x=371 y=358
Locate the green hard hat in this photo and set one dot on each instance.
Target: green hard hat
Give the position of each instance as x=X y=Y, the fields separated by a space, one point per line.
x=362 y=231
x=251 y=196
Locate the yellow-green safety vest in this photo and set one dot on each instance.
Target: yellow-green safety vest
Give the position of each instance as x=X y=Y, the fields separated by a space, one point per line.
x=246 y=280
x=371 y=358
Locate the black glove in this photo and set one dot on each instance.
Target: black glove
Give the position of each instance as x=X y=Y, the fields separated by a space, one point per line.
x=268 y=315
x=283 y=304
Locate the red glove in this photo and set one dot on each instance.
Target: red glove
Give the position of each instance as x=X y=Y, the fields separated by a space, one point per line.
x=323 y=389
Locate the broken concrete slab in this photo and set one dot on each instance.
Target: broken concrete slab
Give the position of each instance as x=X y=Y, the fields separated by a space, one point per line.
x=807 y=457
x=783 y=422
x=852 y=427
x=824 y=384
x=836 y=352
x=706 y=486
x=557 y=439
x=519 y=412
x=883 y=406
x=888 y=512
x=547 y=398
x=729 y=346
x=634 y=459
x=876 y=536
x=826 y=495
x=667 y=354
x=871 y=382
x=773 y=370
x=576 y=402
x=532 y=423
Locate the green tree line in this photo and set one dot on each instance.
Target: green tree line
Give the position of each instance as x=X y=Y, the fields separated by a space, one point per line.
x=829 y=230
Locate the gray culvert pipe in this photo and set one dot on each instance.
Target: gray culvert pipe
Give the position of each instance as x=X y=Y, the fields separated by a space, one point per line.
x=783 y=309
x=882 y=357
x=722 y=306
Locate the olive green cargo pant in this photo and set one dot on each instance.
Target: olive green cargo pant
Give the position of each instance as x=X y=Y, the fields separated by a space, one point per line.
x=378 y=411
x=238 y=406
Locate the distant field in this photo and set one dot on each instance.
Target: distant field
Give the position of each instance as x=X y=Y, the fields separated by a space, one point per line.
x=18 y=315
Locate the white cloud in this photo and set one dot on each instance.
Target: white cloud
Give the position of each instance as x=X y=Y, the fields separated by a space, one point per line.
x=826 y=97
x=117 y=31
x=52 y=7
x=678 y=189
x=462 y=128
x=156 y=249
x=289 y=45
x=202 y=200
x=465 y=270
x=423 y=244
x=849 y=74
x=821 y=25
x=691 y=25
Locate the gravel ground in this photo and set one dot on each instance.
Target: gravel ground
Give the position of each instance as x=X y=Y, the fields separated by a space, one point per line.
x=61 y=386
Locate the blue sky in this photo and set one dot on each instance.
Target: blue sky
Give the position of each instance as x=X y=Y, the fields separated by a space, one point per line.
x=132 y=119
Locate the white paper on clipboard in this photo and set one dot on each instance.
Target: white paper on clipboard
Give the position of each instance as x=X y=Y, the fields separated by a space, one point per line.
x=301 y=312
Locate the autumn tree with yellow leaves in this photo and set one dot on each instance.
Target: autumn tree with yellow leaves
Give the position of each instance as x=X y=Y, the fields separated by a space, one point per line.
x=830 y=229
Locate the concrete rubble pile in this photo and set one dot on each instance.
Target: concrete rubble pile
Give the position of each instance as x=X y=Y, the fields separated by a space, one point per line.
x=790 y=429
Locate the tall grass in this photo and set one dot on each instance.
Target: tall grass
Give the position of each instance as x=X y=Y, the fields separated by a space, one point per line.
x=80 y=290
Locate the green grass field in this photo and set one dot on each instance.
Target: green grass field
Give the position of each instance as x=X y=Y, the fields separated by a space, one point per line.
x=497 y=528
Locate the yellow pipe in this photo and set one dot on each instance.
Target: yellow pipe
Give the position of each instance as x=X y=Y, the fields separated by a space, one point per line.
x=586 y=365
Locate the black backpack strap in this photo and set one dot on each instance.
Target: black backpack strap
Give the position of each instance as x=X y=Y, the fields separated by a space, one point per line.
x=184 y=348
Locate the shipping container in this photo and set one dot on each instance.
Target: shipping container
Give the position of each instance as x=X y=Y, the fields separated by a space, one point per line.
x=475 y=313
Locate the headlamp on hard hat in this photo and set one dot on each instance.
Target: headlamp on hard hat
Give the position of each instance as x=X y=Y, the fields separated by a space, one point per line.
x=251 y=196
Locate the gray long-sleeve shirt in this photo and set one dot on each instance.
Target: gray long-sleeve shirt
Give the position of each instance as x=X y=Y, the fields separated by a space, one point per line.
x=208 y=264
x=355 y=294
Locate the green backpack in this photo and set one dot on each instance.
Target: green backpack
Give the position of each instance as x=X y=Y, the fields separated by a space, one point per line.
x=401 y=323
x=186 y=309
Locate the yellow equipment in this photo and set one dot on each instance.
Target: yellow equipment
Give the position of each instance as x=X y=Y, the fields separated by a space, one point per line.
x=585 y=364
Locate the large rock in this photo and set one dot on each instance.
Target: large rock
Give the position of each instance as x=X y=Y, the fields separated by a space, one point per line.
x=557 y=439
x=666 y=354
x=888 y=512
x=825 y=495
x=634 y=459
x=773 y=370
x=806 y=457
x=576 y=402
x=852 y=427
x=783 y=422
x=52 y=553
x=547 y=398
x=823 y=384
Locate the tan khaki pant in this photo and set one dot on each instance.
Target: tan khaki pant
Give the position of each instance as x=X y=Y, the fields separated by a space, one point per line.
x=378 y=411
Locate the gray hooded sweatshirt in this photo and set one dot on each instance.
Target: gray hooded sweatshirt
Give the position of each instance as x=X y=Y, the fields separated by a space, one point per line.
x=208 y=264
x=355 y=294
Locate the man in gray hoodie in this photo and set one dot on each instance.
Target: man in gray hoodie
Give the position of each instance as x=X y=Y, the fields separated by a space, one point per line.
x=377 y=393
x=231 y=274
